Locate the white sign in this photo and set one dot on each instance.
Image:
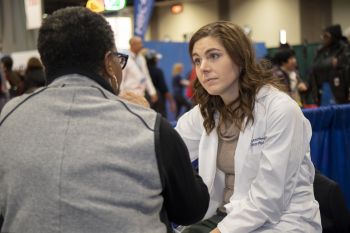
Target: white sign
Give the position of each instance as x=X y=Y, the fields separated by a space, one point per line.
x=122 y=29
x=20 y=59
x=33 y=13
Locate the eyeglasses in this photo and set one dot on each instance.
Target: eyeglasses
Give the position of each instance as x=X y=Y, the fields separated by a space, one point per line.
x=122 y=58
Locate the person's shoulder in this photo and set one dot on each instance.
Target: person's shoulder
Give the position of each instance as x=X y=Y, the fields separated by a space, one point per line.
x=12 y=104
x=190 y=124
x=271 y=92
x=194 y=115
x=277 y=71
x=271 y=97
x=144 y=115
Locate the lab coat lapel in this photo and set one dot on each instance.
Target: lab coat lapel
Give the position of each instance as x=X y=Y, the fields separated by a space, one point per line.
x=207 y=159
x=245 y=137
x=243 y=146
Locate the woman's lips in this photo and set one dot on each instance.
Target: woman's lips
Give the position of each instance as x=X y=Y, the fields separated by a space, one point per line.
x=209 y=81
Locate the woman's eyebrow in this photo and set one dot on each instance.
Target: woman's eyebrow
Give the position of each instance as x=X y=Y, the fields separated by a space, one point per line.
x=207 y=51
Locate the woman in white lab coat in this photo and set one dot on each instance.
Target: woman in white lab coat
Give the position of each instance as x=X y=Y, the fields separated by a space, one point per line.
x=251 y=140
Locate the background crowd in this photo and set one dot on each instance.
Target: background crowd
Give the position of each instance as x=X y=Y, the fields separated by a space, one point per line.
x=326 y=82
x=211 y=116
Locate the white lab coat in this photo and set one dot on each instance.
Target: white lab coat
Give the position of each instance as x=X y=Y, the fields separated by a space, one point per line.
x=273 y=190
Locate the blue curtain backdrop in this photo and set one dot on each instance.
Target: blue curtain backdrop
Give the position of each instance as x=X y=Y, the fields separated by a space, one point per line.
x=330 y=143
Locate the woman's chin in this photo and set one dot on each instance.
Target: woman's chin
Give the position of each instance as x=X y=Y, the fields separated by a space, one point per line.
x=212 y=91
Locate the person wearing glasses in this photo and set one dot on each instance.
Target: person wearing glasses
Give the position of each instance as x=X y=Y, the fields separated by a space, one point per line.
x=75 y=157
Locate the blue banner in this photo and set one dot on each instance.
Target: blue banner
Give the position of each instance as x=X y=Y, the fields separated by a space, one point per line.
x=142 y=13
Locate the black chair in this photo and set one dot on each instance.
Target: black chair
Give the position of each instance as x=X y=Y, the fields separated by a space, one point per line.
x=335 y=216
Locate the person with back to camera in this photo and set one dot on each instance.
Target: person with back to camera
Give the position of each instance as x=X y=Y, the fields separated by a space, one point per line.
x=89 y=161
x=251 y=140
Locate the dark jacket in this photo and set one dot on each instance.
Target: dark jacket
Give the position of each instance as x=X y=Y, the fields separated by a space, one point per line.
x=159 y=83
x=338 y=77
x=335 y=217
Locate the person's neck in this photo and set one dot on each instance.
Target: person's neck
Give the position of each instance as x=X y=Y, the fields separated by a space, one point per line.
x=134 y=52
x=228 y=99
x=285 y=69
x=51 y=75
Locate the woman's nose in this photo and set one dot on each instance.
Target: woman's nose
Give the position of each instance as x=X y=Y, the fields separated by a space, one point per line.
x=204 y=65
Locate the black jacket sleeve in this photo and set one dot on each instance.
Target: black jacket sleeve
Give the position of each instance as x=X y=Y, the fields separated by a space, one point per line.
x=335 y=216
x=1 y=221
x=186 y=197
x=162 y=87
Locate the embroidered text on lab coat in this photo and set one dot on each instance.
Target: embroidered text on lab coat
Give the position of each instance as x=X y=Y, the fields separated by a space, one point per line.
x=257 y=141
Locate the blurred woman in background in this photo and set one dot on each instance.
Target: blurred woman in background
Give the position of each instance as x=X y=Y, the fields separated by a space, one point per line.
x=34 y=76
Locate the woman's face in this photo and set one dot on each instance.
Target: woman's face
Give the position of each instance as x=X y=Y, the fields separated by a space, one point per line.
x=291 y=64
x=326 y=38
x=216 y=71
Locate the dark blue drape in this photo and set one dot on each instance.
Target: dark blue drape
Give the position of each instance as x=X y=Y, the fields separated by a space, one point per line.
x=330 y=143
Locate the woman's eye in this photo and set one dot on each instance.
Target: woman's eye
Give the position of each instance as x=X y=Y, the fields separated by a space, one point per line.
x=197 y=61
x=214 y=56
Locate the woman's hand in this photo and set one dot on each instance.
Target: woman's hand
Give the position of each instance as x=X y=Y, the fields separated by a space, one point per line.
x=302 y=87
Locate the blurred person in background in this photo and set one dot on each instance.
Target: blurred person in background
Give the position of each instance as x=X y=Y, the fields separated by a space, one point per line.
x=13 y=78
x=179 y=84
x=34 y=75
x=4 y=93
x=159 y=83
x=286 y=69
x=76 y=157
x=191 y=78
x=136 y=75
x=330 y=70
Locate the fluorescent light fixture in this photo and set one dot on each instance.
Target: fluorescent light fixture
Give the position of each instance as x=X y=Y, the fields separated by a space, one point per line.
x=283 y=36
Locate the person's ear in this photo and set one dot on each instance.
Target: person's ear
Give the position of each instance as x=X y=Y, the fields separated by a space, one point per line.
x=108 y=64
x=109 y=73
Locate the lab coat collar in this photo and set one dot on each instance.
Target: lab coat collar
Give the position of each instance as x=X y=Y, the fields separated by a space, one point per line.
x=263 y=91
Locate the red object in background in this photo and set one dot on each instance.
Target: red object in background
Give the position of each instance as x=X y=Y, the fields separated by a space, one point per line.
x=310 y=106
x=191 y=78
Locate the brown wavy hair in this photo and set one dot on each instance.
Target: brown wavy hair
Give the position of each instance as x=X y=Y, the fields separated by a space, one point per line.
x=253 y=76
